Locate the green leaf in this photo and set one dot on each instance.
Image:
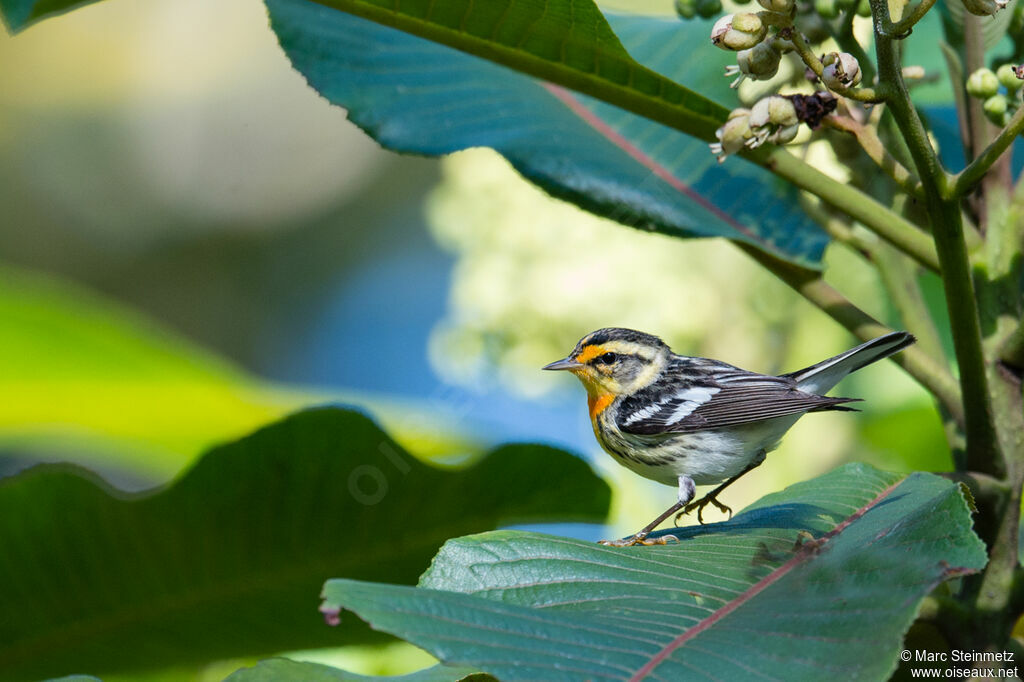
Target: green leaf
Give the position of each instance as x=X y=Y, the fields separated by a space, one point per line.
x=227 y=562
x=420 y=97
x=102 y=384
x=565 y=41
x=753 y=597
x=283 y=670
x=18 y=14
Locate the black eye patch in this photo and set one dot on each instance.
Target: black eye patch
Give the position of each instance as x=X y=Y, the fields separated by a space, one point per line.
x=606 y=359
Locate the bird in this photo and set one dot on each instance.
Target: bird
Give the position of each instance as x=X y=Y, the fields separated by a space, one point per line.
x=687 y=421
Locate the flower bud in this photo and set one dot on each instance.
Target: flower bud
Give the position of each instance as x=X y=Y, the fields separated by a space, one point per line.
x=995 y=108
x=827 y=9
x=686 y=9
x=738 y=31
x=784 y=134
x=733 y=135
x=1007 y=75
x=913 y=72
x=773 y=110
x=772 y=119
x=842 y=70
x=814 y=28
x=759 y=63
x=984 y=8
x=780 y=6
x=864 y=8
x=982 y=84
x=709 y=8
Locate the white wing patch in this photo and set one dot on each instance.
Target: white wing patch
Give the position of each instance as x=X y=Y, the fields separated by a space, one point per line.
x=643 y=414
x=692 y=399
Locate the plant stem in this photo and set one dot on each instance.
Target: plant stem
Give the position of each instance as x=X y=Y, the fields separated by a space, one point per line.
x=966 y=179
x=974 y=59
x=982 y=443
x=809 y=284
x=1011 y=352
x=957 y=78
x=902 y=27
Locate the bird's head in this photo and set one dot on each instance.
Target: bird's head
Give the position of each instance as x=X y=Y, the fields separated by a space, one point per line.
x=615 y=361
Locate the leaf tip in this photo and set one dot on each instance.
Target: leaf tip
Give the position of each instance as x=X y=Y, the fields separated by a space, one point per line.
x=332 y=614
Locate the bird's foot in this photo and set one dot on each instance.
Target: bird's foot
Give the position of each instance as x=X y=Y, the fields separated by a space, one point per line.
x=699 y=506
x=639 y=539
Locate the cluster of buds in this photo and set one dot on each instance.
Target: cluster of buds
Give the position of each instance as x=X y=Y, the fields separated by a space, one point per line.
x=772 y=119
x=983 y=84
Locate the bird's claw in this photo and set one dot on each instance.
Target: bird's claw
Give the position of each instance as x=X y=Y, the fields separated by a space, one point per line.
x=699 y=506
x=639 y=539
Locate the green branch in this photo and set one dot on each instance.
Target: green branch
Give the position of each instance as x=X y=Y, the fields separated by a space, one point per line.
x=903 y=27
x=961 y=302
x=966 y=179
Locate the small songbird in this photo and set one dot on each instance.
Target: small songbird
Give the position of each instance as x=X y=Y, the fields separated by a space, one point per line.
x=686 y=421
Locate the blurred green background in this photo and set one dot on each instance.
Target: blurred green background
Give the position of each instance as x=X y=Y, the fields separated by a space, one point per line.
x=195 y=243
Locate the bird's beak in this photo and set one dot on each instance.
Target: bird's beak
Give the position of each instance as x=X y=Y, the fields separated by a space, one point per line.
x=567 y=363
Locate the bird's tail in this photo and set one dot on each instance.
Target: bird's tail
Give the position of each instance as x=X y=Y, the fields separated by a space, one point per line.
x=819 y=378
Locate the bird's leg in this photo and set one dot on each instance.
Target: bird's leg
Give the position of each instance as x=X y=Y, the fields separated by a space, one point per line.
x=687 y=489
x=712 y=497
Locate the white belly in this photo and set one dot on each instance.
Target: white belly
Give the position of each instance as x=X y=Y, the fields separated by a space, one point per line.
x=706 y=456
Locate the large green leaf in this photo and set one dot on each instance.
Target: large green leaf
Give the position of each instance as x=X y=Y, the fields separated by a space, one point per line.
x=228 y=561
x=417 y=89
x=417 y=96
x=752 y=598
x=100 y=383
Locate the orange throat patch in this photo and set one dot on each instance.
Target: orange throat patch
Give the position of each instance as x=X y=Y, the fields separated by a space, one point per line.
x=598 y=403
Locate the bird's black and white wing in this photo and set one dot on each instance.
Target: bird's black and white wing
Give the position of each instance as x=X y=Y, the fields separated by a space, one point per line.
x=697 y=395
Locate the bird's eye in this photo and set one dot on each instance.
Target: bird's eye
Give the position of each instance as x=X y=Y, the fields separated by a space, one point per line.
x=606 y=359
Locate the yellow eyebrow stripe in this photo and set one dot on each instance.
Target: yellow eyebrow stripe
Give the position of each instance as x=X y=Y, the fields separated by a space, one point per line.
x=589 y=353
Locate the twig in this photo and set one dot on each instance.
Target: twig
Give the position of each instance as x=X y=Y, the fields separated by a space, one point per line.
x=965 y=180
x=903 y=27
